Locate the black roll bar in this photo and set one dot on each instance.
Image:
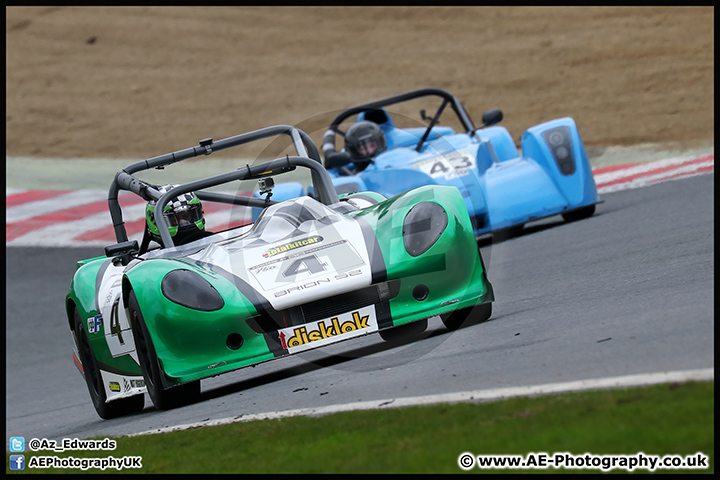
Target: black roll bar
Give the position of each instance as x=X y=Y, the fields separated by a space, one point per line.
x=308 y=156
x=448 y=98
x=454 y=102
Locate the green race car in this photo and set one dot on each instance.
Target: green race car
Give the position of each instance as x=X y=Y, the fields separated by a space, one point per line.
x=309 y=272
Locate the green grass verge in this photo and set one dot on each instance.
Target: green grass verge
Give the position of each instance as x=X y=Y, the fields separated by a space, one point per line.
x=666 y=419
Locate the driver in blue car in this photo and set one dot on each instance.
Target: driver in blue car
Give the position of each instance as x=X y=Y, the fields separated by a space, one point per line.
x=364 y=141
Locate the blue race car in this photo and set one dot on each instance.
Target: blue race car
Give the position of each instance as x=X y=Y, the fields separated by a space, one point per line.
x=502 y=188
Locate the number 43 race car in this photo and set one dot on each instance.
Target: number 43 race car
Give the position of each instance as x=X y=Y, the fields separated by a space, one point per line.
x=502 y=189
x=309 y=272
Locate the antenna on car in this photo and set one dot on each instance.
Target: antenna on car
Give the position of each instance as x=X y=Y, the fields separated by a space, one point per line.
x=433 y=121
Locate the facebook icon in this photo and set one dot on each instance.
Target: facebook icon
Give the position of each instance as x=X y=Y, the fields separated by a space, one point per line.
x=17 y=462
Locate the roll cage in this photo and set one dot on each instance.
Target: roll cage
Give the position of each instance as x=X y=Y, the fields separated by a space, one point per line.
x=307 y=156
x=448 y=99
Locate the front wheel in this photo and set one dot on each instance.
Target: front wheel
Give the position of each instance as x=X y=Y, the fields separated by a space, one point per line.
x=579 y=214
x=163 y=398
x=93 y=379
x=466 y=317
x=406 y=331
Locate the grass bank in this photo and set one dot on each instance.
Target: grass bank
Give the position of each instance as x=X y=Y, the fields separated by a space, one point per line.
x=667 y=419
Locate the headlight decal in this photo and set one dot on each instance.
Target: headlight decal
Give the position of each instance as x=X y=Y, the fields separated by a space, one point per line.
x=423 y=225
x=190 y=290
x=560 y=143
x=260 y=303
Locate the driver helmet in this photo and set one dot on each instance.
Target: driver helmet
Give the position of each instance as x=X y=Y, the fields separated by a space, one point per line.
x=363 y=141
x=184 y=214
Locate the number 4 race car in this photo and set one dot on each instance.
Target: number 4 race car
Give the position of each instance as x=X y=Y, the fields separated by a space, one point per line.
x=502 y=189
x=309 y=272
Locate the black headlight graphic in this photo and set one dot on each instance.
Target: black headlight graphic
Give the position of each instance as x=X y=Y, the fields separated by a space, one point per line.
x=190 y=290
x=423 y=225
x=558 y=139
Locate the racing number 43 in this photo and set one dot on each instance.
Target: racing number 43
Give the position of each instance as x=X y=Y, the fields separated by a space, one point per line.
x=457 y=163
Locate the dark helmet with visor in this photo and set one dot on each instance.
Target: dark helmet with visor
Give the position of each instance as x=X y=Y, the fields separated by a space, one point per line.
x=363 y=141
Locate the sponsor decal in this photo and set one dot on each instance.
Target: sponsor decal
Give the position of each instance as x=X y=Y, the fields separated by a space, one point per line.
x=315 y=334
x=307 y=267
x=114 y=387
x=315 y=283
x=94 y=324
x=130 y=384
x=293 y=245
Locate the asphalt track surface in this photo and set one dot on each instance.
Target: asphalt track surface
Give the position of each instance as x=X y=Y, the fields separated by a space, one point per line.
x=628 y=291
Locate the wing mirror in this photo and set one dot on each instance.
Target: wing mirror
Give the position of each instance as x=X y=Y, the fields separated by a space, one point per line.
x=492 y=117
x=337 y=159
x=122 y=252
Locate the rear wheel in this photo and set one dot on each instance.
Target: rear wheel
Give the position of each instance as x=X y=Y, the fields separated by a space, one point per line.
x=163 y=398
x=465 y=317
x=579 y=214
x=405 y=331
x=93 y=379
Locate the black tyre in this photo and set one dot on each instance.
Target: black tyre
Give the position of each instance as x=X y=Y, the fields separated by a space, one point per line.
x=579 y=214
x=93 y=378
x=465 y=317
x=163 y=398
x=407 y=331
x=507 y=233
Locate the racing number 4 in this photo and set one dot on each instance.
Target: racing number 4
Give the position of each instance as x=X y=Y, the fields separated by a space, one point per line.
x=118 y=337
x=311 y=264
x=115 y=328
